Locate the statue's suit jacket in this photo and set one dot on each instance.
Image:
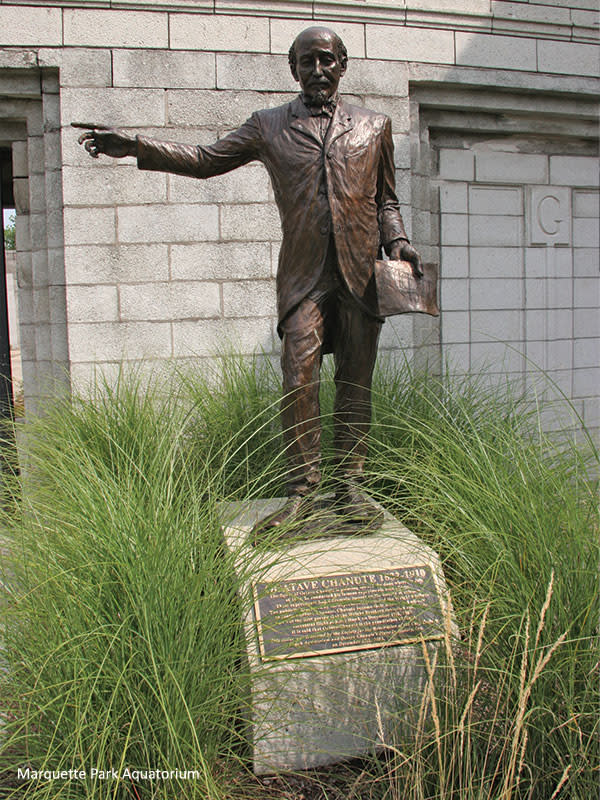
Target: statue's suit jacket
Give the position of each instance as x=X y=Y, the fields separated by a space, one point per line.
x=343 y=187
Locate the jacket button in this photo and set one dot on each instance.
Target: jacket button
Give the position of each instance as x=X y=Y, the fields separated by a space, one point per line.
x=324 y=229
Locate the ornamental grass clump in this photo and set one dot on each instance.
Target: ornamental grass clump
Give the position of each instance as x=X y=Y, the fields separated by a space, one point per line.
x=122 y=643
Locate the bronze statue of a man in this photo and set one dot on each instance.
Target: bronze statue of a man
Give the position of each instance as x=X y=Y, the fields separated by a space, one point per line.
x=332 y=169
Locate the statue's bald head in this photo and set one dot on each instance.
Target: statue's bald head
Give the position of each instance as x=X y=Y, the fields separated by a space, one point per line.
x=317 y=31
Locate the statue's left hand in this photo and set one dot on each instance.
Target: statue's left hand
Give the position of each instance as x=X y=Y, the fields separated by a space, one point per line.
x=404 y=251
x=110 y=141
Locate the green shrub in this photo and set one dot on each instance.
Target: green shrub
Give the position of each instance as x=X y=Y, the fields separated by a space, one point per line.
x=122 y=631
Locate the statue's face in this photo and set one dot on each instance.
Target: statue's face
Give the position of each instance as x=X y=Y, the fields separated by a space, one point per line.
x=318 y=65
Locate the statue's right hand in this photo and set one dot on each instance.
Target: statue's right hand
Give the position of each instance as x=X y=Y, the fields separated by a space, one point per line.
x=110 y=141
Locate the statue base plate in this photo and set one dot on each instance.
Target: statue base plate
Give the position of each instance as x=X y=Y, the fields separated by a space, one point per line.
x=336 y=626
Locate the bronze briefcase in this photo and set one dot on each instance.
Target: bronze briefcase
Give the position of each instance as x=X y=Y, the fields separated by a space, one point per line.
x=399 y=292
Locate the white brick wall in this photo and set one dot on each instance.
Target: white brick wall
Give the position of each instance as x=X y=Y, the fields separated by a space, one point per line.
x=525 y=306
x=158 y=266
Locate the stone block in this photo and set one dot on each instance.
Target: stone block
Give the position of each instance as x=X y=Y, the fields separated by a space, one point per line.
x=549 y=292
x=455 y=294
x=116 y=341
x=253 y=221
x=243 y=72
x=489 y=230
x=115 y=184
x=548 y=216
x=586 y=382
x=225 y=109
x=569 y=58
x=496 y=293
x=23 y=26
x=496 y=262
x=244 y=185
x=455 y=229
x=22 y=233
x=454 y=262
x=89 y=225
x=41 y=305
x=170 y=301
x=505 y=325
x=166 y=69
x=457 y=164
x=20 y=83
x=574 y=170
x=219 y=32
x=587 y=294
x=60 y=353
x=586 y=352
x=17 y=59
x=492 y=200
x=58 y=306
x=455 y=326
x=213 y=337
x=79 y=66
x=19 y=160
x=376 y=77
x=502 y=52
x=498 y=167
x=249 y=299
x=221 y=260
x=585 y=261
x=53 y=194
x=396 y=108
x=92 y=304
x=21 y=193
x=27 y=342
x=43 y=343
x=585 y=204
x=284 y=31
x=550 y=324
x=116 y=264
x=454 y=198
x=495 y=356
x=585 y=232
x=392 y=42
x=591 y=416
x=312 y=710
x=397 y=333
x=170 y=223
x=550 y=262
x=586 y=323
x=458 y=358
x=401 y=150
x=125 y=107
x=585 y=19
x=283 y=8
x=112 y=28
x=39 y=268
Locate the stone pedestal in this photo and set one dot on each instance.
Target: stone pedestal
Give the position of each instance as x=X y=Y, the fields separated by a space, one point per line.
x=335 y=632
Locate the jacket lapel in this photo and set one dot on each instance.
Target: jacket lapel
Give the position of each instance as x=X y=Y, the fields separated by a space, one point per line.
x=299 y=114
x=340 y=124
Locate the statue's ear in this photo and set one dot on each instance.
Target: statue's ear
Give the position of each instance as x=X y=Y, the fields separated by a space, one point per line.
x=294 y=72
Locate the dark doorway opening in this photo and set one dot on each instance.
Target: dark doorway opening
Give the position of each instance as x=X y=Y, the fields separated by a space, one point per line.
x=6 y=202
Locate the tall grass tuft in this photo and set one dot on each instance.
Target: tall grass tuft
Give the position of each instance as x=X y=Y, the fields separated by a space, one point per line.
x=122 y=630
x=122 y=635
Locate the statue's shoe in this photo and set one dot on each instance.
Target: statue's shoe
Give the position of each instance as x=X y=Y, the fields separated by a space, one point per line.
x=291 y=516
x=357 y=507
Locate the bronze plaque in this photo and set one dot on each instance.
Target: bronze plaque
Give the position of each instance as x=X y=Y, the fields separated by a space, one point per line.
x=346 y=611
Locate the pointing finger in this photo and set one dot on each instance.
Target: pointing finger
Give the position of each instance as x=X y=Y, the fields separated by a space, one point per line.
x=90 y=126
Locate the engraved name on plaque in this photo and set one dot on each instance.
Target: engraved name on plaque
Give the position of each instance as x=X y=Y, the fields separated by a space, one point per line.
x=344 y=612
